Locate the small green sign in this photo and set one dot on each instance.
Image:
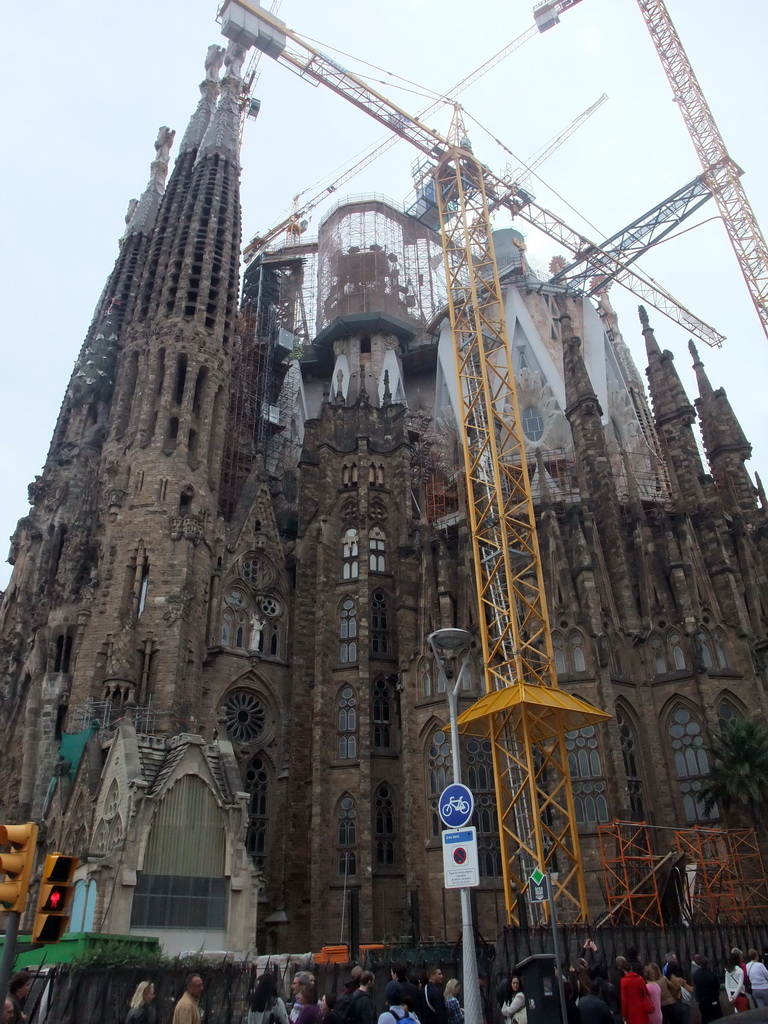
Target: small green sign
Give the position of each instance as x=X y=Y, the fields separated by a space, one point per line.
x=537 y=876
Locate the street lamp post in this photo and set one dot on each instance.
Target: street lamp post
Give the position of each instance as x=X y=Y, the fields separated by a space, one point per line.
x=446 y=643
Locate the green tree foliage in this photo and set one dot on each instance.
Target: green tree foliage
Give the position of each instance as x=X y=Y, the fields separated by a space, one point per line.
x=738 y=778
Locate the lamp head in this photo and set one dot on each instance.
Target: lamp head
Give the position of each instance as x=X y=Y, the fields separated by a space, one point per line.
x=449 y=641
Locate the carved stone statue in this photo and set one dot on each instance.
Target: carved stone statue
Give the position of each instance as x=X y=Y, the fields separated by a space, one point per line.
x=233 y=60
x=257 y=629
x=163 y=143
x=213 y=61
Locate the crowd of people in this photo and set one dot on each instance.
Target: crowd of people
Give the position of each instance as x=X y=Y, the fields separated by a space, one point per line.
x=633 y=992
x=627 y=991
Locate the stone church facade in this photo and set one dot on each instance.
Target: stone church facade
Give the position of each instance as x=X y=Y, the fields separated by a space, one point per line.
x=251 y=517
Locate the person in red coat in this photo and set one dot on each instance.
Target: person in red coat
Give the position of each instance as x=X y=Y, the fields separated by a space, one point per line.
x=634 y=999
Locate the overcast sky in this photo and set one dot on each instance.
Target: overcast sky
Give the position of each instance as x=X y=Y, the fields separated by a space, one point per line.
x=88 y=84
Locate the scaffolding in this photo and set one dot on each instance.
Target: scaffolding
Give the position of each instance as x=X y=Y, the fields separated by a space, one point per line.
x=630 y=874
x=725 y=877
x=716 y=874
x=374 y=258
x=273 y=327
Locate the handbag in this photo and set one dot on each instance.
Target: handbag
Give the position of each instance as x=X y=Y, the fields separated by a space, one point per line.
x=741 y=1004
x=648 y=1004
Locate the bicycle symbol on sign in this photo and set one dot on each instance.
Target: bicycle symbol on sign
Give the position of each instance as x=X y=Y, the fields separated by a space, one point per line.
x=455 y=803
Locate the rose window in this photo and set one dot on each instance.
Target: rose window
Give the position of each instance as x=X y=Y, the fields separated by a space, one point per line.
x=244 y=714
x=257 y=572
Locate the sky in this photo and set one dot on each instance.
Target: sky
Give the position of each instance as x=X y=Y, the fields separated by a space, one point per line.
x=93 y=82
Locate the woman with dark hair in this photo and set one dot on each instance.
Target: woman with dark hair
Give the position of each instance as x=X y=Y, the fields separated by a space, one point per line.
x=328 y=1006
x=514 y=1003
x=266 y=1005
x=734 y=983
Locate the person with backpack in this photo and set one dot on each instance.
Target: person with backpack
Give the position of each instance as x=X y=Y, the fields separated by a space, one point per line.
x=360 y=1007
x=351 y=986
x=328 y=1006
x=266 y=1005
x=393 y=996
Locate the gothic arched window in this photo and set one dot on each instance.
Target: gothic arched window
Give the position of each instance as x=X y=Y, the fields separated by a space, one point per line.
x=257 y=785
x=426 y=680
x=557 y=644
x=691 y=763
x=677 y=652
x=347 y=835
x=379 y=623
x=586 y=776
x=705 y=650
x=630 y=756
x=440 y=773
x=349 y=551
x=659 y=658
x=577 y=652
x=377 y=544
x=384 y=831
x=480 y=780
x=726 y=713
x=347 y=723
x=720 y=651
x=617 y=661
x=381 y=715
x=63 y=653
x=348 y=631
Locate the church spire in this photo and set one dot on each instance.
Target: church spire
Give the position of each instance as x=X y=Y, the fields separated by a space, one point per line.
x=209 y=93
x=584 y=414
x=145 y=211
x=223 y=133
x=725 y=443
x=674 y=416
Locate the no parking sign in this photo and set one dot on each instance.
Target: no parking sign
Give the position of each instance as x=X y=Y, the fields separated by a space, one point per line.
x=460 y=865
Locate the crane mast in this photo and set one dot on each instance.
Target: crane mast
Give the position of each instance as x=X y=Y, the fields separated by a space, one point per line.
x=722 y=174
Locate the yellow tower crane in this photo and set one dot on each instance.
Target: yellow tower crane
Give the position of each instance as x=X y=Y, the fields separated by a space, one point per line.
x=524 y=711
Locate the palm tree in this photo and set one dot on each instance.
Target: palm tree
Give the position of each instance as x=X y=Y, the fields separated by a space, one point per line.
x=738 y=776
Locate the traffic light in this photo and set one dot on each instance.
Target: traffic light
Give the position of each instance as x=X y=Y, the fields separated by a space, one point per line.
x=55 y=898
x=17 y=865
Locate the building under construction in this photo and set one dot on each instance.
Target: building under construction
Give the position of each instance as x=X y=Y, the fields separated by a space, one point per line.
x=214 y=638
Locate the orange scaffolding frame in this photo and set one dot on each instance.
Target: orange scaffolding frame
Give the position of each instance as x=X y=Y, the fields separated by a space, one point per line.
x=725 y=877
x=629 y=872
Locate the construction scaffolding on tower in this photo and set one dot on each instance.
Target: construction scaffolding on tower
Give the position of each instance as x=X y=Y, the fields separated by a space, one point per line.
x=276 y=321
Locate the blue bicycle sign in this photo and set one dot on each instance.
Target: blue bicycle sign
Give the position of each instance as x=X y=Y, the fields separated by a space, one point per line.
x=456 y=805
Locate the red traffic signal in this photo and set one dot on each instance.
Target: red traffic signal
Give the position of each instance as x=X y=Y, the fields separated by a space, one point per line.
x=55 y=898
x=17 y=865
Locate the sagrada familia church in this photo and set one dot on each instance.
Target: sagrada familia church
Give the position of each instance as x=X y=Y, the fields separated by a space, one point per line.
x=251 y=517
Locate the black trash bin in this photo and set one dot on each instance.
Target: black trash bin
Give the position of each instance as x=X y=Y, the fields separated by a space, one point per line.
x=542 y=998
